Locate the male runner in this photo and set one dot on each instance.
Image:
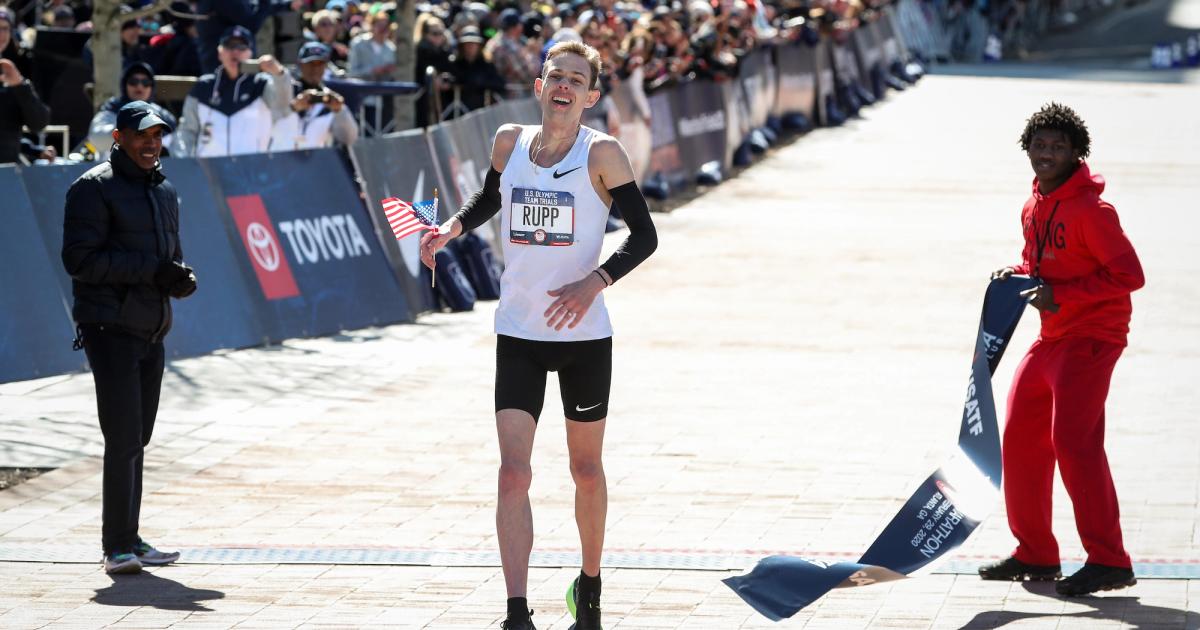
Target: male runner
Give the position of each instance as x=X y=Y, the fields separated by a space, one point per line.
x=553 y=185
x=1075 y=245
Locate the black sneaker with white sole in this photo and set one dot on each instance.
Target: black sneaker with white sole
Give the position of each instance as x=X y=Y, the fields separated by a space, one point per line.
x=1096 y=577
x=1013 y=570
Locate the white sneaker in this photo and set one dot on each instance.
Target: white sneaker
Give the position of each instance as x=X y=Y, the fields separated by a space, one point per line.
x=152 y=557
x=122 y=564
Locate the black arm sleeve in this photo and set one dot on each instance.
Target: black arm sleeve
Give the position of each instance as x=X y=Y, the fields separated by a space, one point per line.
x=642 y=239
x=483 y=205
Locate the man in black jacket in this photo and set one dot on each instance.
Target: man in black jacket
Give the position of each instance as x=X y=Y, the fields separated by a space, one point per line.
x=121 y=248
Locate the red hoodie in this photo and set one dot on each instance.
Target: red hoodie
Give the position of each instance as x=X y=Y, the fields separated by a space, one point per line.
x=1086 y=258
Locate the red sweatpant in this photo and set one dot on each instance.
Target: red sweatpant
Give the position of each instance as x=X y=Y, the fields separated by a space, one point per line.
x=1056 y=412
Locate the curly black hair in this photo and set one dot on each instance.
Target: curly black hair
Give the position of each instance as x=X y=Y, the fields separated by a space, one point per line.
x=1059 y=117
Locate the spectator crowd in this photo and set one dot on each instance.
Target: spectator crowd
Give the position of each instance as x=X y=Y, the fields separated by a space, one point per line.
x=479 y=53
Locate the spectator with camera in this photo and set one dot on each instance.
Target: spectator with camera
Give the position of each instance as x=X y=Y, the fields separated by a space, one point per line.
x=318 y=116
x=232 y=110
x=19 y=102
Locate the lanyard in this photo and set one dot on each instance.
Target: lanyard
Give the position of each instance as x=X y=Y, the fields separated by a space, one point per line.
x=1043 y=239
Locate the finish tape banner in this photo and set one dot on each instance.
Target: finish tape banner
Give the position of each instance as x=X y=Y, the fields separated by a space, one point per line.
x=941 y=514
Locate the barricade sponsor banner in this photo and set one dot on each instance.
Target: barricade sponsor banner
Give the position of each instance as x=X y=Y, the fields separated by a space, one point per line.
x=943 y=511
x=869 y=58
x=35 y=314
x=633 y=110
x=701 y=124
x=47 y=187
x=445 y=160
x=756 y=73
x=826 y=83
x=399 y=165
x=222 y=312
x=737 y=119
x=885 y=37
x=665 y=158
x=307 y=243
x=845 y=64
x=797 y=87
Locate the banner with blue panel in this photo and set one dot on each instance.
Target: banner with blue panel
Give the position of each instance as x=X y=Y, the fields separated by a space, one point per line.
x=223 y=312
x=35 y=315
x=47 y=187
x=308 y=243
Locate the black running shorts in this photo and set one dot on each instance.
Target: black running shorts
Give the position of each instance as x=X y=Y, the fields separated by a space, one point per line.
x=584 y=375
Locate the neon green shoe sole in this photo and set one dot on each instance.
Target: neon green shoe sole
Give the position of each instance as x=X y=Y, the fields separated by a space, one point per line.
x=571 y=601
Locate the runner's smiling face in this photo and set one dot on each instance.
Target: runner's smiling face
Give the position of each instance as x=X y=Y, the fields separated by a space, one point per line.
x=564 y=88
x=1052 y=157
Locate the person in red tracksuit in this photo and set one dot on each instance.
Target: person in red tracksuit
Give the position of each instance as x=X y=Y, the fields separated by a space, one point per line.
x=1073 y=243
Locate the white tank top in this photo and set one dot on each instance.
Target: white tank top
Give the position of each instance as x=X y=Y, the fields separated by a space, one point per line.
x=552 y=226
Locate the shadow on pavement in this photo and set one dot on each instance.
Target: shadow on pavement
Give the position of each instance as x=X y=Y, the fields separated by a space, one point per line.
x=147 y=589
x=1127 y=610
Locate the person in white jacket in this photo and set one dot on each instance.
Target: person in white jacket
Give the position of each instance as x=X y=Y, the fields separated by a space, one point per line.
x=230 y=112
x=318 y=116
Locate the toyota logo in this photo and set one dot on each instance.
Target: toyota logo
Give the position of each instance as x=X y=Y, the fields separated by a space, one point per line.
x=262 y=246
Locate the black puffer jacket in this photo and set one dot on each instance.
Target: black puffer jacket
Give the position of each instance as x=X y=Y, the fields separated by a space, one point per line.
x=120 y=223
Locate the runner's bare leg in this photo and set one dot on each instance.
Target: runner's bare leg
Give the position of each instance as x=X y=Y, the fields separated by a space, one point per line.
x=585 y=443
x=514 y=517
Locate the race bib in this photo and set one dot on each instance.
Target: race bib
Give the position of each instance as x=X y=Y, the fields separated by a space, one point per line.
x=542 y=217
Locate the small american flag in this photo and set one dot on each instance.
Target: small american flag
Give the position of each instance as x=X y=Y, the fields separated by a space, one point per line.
x=406 y=218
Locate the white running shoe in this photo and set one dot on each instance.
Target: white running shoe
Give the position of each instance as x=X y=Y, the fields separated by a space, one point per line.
x=152 y=557
x=122 y=564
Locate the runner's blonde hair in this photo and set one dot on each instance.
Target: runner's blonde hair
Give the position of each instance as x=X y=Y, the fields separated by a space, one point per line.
x=576 y=48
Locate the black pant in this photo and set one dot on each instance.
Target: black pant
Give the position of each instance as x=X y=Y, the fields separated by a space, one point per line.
x=128 y=373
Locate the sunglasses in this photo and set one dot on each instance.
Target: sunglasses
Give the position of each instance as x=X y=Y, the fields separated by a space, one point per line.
x=140 y=82
x=236 y=47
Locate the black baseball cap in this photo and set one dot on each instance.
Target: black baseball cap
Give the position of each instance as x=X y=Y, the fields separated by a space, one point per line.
x=314 y=51
x=237 y=32
x=139 y=116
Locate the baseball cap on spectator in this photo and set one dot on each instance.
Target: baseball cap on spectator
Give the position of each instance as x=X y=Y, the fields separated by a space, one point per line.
x=509 y=18
x=314 y=51
x=139 y=116
x=237 y=32
x=470 y=35
x=565 y=10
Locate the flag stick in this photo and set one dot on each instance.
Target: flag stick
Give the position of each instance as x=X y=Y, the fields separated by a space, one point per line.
x=433 y=270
